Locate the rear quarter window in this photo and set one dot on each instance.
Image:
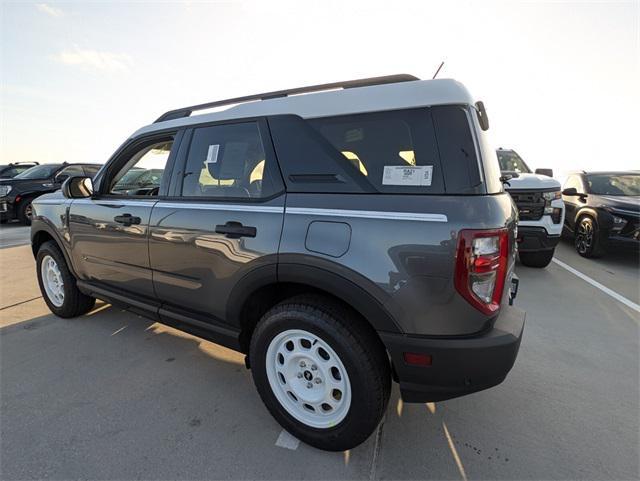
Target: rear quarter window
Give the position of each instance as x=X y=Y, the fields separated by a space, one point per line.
x=394 y=152
x=412 y=151
x=457 y=149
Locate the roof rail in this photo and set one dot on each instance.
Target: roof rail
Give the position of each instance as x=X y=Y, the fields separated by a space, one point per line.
x=187 y=111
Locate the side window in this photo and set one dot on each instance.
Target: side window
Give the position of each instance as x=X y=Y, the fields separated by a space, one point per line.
x=228 y=161
x=71 y=171
x=142 y=172
x=574 y=181
x=90 y=170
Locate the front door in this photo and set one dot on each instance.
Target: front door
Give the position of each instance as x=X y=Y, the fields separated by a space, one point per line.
x=571 y=201
x=223 y=223
x=109 y=232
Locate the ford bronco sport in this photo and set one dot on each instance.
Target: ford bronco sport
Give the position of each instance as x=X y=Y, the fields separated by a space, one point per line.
x=340 y=239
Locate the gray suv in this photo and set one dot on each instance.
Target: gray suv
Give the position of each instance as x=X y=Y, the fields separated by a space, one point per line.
x=341 y=239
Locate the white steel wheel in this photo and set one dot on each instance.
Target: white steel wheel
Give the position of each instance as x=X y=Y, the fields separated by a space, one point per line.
x=308 y=378
x=52 y=280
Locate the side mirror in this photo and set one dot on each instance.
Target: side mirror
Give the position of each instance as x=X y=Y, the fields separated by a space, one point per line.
x=547 y=172
x=570 y=191
x=77 y=187
x=483 y=119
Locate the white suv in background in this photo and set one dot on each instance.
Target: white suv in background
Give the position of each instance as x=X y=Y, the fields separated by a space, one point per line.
x=540 y=208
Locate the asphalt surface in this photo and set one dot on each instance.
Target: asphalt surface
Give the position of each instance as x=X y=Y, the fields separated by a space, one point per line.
x=14 y=234
x=112 y=395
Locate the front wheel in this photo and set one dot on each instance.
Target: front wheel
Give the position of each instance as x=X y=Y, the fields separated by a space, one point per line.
x=539 y=259
x=587 y=238
x=321 y=373
x=58 y=285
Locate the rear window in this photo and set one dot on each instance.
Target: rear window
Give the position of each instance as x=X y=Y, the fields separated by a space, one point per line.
x=414 y=151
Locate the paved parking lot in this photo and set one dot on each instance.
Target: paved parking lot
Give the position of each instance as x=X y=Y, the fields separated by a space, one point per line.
x=112 y=395
x=14 y=234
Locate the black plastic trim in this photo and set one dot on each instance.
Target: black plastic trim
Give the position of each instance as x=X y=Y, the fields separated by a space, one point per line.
x=459 y=366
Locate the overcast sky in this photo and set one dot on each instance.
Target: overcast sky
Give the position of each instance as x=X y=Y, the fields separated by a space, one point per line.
x=560 y=80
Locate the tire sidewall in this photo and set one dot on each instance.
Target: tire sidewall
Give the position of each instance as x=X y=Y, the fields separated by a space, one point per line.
x=359 y=410
x=48 y=249
x=595 y=249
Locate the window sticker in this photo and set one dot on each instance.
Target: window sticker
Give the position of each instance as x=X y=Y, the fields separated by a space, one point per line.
x=212 y=154
x=419 y=176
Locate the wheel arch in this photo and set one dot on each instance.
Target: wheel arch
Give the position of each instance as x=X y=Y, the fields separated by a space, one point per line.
x=586 y=212
x=41 y=233
x=251 y=298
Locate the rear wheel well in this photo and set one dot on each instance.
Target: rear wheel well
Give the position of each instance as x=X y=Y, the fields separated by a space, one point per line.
x=260 y=301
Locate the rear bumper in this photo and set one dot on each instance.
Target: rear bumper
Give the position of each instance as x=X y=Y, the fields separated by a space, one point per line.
x=459 y=366
x=535 y=239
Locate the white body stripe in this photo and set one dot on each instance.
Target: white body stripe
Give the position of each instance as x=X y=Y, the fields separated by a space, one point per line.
x=127 y=202
x=225 y=207
x=363 y=214
x=50 y=201
x=368 y=214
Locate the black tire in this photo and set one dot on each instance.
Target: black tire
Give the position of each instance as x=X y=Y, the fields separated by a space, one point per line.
x=539 y=259
x=75 y=302
x=588 y=238
x=359 y=350
x=24 y=212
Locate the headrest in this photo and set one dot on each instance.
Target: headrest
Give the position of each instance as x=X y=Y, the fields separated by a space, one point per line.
x=227 y=161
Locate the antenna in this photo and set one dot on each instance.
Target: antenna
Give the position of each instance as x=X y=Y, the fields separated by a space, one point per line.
x=438 y=71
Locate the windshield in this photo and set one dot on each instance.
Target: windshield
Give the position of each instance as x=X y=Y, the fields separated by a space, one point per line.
x=608 y=184
x=511 y=162
x=38 y=172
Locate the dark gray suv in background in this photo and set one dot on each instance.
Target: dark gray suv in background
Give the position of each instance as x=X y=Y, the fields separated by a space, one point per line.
x=340 y=239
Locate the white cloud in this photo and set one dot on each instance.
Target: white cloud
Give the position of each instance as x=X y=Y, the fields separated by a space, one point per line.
x=49 y=10
x=105 y=61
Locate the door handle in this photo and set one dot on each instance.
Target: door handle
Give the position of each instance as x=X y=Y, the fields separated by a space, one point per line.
x=127 y=219
x=235 y=230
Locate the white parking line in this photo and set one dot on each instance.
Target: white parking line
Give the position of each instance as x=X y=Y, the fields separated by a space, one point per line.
x=595 y=283
x=287 y=441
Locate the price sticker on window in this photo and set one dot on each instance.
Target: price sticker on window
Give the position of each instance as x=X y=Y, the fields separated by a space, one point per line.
x=410 y=176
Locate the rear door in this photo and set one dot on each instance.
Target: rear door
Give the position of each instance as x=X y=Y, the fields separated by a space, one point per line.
x=109 y=232
x=222 y=223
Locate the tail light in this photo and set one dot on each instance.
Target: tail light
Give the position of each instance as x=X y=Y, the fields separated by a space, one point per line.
x=481 y=267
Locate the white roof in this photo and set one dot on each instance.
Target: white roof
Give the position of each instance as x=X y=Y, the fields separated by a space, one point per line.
x=418 y=93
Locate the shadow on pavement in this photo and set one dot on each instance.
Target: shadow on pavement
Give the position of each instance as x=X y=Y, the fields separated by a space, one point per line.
x=113 y=395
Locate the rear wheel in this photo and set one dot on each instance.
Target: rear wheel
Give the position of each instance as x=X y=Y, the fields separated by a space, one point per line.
x=538 y=259
x=322 y=374
x=587 y=238
x=58 y=285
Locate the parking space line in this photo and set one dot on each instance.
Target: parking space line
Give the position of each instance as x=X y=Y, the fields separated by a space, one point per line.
x=19 y=303
x=287 y=441
x=454 y=452
x=373 y=472
x=596 y=284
